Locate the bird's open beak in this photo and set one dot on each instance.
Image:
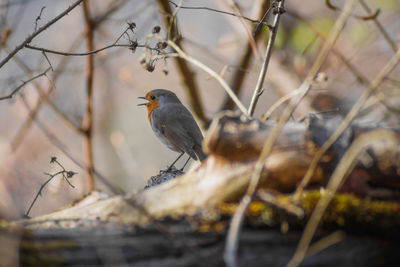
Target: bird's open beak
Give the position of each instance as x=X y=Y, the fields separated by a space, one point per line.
x=143 y=104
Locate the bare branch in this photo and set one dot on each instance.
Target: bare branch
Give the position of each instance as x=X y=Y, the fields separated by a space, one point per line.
x=239 y=75
x=113 y=7
x=380 y=27
x=48 y=61
x=220 y=11
x=64 y=173
x=36 y=33
x=88 y=120
x=64 y=149
x=39 y=17
x=16 y=90
x=228 y=90
x=231 y=244
x=45 y=50
x=350 y=116
x=258 y=90
x=345 y=165
x=44 y=97
x=187 y=74
x=251 y=39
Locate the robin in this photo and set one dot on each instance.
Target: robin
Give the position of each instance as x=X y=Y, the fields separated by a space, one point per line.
x=173 y=124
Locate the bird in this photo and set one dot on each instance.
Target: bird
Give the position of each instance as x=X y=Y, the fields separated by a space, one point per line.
x=173 y=124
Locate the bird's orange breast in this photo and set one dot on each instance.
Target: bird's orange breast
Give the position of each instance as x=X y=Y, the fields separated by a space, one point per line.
x=152 y=105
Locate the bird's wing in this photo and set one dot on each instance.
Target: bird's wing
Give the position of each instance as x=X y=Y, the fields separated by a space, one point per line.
x=179 y=127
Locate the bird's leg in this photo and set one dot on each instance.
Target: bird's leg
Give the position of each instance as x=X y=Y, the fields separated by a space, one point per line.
x=173 y=163
x=184 y=165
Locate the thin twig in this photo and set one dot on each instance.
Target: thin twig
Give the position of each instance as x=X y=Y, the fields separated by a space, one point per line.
x=114 y=44
x=250 y=38
x=335 y=51
x=258 y=90
x=264 y=16
x=36 y=33
x=353 y=69
x=271 y=198
x=350 y=116
x=48 y=60
x=89 y=52
x=239 y=75
x=53 y=139
x=370 y=16
x=39 y=17
x=64 y=173
x=88 y=120
x=231 y=244
x=325 y=242
x=16 y=90
x=380 y=27
x=111 y=8
x=280 y=101
x=211 y=72
x=187 y=74
x=220 y=11
x=44 y=97
x=345 y=165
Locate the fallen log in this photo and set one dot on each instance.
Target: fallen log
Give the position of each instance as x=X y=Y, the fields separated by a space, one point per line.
x=203 y=200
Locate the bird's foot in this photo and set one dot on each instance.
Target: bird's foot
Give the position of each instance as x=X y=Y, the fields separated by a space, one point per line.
x=169 y=169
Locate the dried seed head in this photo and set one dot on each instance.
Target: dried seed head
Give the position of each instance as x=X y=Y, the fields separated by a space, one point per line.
x=162 y=45
x=70 y=174
x=150 y=67
x=132 y=25
x=156 y=29
x=133 y=45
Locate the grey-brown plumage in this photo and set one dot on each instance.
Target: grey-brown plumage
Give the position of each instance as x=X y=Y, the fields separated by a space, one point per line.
x=173 y=123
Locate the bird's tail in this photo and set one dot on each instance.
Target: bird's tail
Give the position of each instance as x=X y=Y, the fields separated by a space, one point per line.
x=199 y=152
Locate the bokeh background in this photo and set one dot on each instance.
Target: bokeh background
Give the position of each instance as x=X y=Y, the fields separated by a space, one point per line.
x=126 y=152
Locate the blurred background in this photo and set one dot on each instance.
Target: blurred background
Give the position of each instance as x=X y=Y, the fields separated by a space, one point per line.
x=41 y=121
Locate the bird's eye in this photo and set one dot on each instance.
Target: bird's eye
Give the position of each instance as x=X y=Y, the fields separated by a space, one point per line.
x=153 y=97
